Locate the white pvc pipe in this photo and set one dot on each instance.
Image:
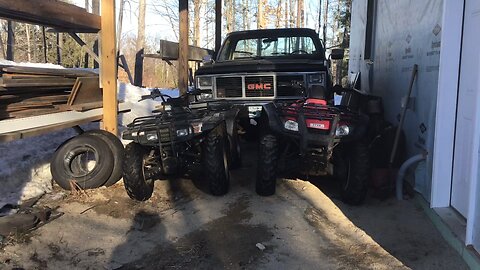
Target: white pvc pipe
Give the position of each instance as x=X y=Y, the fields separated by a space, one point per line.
x=401 y=173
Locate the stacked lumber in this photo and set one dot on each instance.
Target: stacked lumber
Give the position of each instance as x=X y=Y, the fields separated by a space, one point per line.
x=30 y=91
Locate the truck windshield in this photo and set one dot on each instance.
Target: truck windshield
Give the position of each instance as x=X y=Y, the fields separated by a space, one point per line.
x=267 y=47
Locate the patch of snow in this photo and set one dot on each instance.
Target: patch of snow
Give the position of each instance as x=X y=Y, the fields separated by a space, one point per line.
x=25 y=165
x=132 y=94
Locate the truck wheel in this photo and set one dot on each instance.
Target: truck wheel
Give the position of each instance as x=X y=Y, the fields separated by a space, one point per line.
x=215 y=161
x=84 y=160
x=235 y=155
x=136 y=179
x=357 y=167
x=267 y=165
x=117 y=149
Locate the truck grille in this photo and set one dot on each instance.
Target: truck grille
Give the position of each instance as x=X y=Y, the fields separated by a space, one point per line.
x=229 y=87
x=259 y=86
x=285 y=85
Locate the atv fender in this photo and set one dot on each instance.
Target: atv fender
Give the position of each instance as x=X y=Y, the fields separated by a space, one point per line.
x=269 y=118
x=230 y=118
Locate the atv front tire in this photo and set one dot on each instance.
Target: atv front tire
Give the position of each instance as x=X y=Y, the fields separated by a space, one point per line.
x=215 y=161
x=138 y=186
x=357 y=166
x=267 y=165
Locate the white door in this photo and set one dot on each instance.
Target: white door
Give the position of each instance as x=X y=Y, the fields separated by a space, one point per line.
x=466 y=141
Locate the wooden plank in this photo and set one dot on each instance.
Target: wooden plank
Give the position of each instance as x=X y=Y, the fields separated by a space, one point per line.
x=82 y=107
x=183 y=48
x=65 y=72
x=14 y=129
x=169 y=51
x=51 y=13
x=89 y=91
x=75 y=88
x=109 y=66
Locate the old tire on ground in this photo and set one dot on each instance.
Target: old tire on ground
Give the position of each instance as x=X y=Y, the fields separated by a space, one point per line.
x=118 y=152
x=138 y=186
x=85 y=160
x=235 y=154
x=215 y=161
x=357 y=166
x=267 y=165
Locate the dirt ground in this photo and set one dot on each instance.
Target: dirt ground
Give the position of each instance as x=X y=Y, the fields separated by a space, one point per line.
x=182 y=227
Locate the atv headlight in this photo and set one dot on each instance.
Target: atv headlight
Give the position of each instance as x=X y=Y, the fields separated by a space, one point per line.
x=183 y=132
x=152 y=136
x=205 y=81
x=291 y=125
x=342 y=130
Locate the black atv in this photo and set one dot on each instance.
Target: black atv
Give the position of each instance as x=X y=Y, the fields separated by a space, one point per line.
x=313 y=137
x=177 y=136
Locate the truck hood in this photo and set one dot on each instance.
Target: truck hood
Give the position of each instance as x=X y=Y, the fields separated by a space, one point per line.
x=262 y=65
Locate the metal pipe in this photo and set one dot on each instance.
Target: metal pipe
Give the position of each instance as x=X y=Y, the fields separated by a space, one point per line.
x=403 y=169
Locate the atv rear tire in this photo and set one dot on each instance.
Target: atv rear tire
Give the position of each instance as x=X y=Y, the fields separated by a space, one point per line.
x=215 y=161
x=71 y=163
x=357 y=165
x=138 y=187
x=118 y=152
x=267 y=165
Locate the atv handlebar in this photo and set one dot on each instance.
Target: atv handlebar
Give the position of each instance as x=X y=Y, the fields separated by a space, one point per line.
x=155 y=93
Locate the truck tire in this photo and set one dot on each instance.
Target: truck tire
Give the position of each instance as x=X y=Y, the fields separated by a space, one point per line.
x=354 y=182
x=215 y=161
x=72 y=161
x=118 y=152
x=138 y=187
x=267 y=165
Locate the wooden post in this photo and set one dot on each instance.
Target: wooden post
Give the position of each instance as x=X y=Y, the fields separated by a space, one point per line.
x=138 y=72
x=218 y=25
x=45 y=51
x=108 y=64
x=183 y=48
x=95 y=51
x=10 y=41
x=59 y=48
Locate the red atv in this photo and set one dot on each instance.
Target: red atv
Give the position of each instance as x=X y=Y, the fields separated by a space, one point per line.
x=312 y=136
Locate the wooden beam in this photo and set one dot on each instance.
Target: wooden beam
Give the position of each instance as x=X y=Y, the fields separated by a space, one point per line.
x=10 y=41
x=218 y=24
x=84 y=46
x=51 y=13
x=108 y=67
x=183 y=48
x=169 y=51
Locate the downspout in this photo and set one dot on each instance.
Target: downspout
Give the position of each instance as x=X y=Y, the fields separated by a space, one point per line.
x=402 y=171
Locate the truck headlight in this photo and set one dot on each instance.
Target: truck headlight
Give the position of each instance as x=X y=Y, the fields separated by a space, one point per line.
x=291 y=125
x=205 y=96
x=342 y=130
x=315 y=78
x=205 y=81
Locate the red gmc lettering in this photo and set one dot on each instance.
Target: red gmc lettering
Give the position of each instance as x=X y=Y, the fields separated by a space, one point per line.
x=259 y=86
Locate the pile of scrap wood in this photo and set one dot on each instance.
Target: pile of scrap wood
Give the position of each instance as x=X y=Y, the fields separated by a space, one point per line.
x=30 y=91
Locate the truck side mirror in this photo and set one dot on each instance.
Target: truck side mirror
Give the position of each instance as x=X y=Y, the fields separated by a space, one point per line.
x=337 y=54
x=207 y=59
